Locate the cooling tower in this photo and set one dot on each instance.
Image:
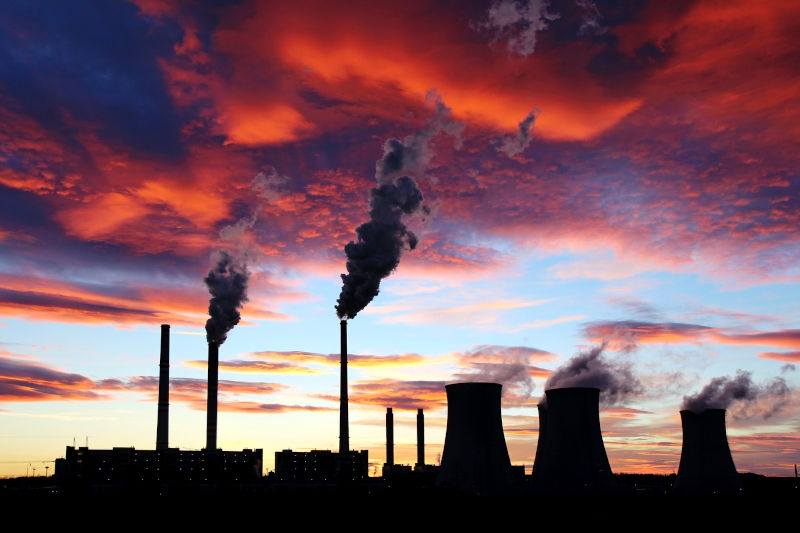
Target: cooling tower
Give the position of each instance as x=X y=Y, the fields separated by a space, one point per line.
x=344 y=424
x=211 y=409
x=706 y=463
x=420 y=441
x=162 y=426
x=570 y=456
x=475 y=458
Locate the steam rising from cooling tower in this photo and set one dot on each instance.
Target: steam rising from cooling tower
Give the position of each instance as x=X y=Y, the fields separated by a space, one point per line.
x=615 y=379
x=227 y=283
x=382 y=240
x=748 y=398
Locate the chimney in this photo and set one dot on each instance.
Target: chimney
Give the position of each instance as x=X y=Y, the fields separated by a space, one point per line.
x=389 y=441
x=706 y=463
x=420 y=441
x=344 y=424
x=475 y=458
x=570 y=455
x=162 y=427
x=211 y=409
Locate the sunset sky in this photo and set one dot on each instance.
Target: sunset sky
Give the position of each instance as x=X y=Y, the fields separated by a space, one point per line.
x=593 y=176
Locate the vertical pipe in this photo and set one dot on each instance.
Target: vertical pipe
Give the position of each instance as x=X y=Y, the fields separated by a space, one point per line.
x=389 y=438
x=420 y=440
x=344 y=424
x=211 y=410
x=162 y=426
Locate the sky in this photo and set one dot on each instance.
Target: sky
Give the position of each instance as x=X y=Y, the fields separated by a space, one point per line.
x=599 y=188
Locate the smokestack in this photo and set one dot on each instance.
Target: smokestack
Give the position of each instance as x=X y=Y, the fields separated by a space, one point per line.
x=706 y=463
x=420 y=440
x=162 y=427
x=344 y=421
x=570 y=455
x=211 y=410
x=475 y=458
x=389 y=439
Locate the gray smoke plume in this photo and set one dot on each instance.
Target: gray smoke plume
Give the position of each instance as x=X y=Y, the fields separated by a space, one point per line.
x=382 y=240
x=518 y=21
x=740 y=393
x=512 y=145
x=227 y=283
x=615 y=379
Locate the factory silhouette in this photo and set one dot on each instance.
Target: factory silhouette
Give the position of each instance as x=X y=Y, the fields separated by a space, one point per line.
x=570 y=457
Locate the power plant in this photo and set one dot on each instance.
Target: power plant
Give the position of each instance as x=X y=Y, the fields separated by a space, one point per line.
x=706 y=463
x=570 y=455
x=475 y=458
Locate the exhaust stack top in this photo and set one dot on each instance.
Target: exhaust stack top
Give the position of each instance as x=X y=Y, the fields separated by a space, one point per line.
x=162 y=426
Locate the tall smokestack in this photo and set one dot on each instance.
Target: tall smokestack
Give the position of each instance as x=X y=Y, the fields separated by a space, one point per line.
x=420 y=440
x=211 y=409
x=344 y=419
x=706 y=463
x=389 y=439
x=570 y=455
x=475 y=458
x=162 y=427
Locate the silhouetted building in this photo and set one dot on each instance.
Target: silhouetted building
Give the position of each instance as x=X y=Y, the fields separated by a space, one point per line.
x=127 y=466
x=706 y=463
x=321 y=466
x=570 y=455
x=475 y=458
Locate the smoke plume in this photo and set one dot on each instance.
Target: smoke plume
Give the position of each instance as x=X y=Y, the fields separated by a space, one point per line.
x=382 y=240
x=512 y=145
x=518 y=21
x=615 y=379
x=739 y=393
x=512 y=366
x=227 y=283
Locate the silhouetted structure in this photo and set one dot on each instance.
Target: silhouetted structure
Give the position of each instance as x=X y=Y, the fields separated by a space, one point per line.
x=387 y=466
x=344 y=424
x=321 y=466
x=570 y=455
x=162 y=427
x=211 y=409
x=475 y=458
x=706 y=463
x=128 y=466
x=420 y=441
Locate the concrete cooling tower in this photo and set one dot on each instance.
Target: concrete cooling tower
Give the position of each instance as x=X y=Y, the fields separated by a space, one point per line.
x=706 y=463
x=475 y=458
x=570 y=456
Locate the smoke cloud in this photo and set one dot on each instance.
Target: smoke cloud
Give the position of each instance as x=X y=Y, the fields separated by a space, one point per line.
x=382 y=240
x=227 y=283
x=744 y=398
x=512 y=366
x=615 y=379
x=518 y=22
x=512 y=145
